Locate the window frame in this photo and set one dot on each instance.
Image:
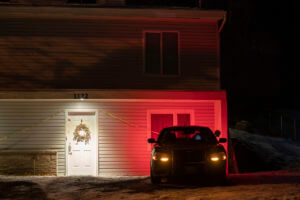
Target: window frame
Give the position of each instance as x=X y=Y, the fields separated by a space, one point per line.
x=174 y=112
x=161 y=74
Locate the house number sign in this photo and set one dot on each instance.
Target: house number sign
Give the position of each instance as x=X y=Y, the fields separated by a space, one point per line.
x=81 y=95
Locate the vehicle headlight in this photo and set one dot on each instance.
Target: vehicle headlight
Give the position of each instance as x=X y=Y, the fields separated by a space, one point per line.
x=215 y=157
x=163 y=157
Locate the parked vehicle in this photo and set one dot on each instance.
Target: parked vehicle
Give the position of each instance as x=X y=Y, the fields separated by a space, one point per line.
x=189 y=150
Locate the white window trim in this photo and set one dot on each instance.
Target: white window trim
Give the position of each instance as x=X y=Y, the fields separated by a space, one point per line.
x=161 y=56
x=174 y=112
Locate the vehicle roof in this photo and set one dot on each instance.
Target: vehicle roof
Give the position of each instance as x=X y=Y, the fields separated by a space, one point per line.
x=186 y=127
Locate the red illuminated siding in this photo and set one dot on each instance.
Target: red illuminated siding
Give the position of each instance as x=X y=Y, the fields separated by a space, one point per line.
x=123 y=149
x=91 y=52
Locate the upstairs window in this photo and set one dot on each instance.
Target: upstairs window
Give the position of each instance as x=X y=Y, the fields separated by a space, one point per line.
x=161 y=53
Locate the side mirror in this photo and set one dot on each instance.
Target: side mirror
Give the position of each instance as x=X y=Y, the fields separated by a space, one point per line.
x=222 y=140
x=217 y=133
x=151 y=140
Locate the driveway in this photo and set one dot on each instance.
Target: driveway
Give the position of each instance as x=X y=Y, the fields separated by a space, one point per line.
x=269 y=185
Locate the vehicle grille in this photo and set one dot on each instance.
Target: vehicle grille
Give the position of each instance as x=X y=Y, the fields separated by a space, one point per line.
x=188 y=156
x=184 y=159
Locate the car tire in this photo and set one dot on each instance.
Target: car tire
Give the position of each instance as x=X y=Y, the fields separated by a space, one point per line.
x=222 y=179
x=155 y=179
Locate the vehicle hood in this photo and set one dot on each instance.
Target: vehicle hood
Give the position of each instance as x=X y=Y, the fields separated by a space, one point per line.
x=188 y=147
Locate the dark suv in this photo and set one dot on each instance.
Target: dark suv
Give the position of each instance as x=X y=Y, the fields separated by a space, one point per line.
x=188 y=150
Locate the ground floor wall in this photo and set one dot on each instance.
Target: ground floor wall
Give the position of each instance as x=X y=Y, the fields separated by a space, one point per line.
x=123 y=127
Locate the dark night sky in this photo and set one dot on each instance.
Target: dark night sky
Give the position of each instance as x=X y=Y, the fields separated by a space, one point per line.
x=253 y=73
x=251 y=50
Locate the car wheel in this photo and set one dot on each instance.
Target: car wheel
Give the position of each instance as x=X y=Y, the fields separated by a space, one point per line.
x=222 y=179
x=155 y=179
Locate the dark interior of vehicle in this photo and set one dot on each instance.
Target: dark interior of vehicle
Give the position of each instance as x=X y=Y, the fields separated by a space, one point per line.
x=175 y=135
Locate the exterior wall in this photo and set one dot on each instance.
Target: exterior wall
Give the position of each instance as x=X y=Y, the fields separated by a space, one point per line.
x=90 y=51
x=22 y=123
x=82 y=48
x=39 y=125
x=28 y=163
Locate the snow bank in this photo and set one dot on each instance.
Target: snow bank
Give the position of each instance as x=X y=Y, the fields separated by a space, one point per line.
x=270 y=153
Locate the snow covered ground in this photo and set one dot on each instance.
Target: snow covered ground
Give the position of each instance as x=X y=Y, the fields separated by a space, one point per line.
x=258 y=186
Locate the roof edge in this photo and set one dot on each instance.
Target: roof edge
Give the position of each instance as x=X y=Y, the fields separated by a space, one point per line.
x=123 y=12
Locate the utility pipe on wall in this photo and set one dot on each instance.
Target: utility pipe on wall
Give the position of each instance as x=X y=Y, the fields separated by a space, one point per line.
x=223 y=23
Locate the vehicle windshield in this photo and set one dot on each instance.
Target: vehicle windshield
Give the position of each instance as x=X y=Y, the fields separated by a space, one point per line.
x=187 y=134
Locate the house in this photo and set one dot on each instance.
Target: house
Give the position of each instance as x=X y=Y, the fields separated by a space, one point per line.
x=82 y=88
